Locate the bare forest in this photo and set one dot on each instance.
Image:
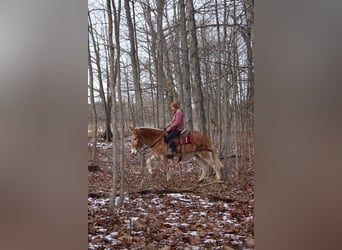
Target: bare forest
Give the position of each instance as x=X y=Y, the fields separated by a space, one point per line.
x=142 y=55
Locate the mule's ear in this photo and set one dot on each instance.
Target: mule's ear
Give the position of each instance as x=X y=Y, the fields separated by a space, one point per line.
x=132 y=129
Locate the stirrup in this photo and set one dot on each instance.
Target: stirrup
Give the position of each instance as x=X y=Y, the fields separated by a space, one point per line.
x=170 y=155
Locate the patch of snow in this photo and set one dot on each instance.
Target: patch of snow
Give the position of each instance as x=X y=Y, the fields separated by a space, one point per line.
x=94 y=246
x=195 y=248
x=209 y=241
x=112 y=240
x=202 y=213
x=104 y=145
x=134 y=218
x=185 y=200
x=97 y=236
x=230 y=221
x=175 y=224
x=125 y=200
x=233 y=236
x=114 y=234
x=175 y=195
x=155 y=200
x=101 y=229
x=101 y=201
x=193 y=233
x=140 y=233
x=236 y=242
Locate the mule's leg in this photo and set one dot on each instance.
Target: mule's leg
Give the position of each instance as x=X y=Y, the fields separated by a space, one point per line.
x=215 y=165
x=204 y=169
x=149 y=163
x=208 y=157
x=218 y=165
x=218 y=168
x=169 y=171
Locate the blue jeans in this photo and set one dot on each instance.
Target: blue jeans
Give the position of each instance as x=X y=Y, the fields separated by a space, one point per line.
x=171 y=135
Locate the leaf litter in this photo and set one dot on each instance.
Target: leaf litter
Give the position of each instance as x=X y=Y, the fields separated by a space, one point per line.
x=154 y=217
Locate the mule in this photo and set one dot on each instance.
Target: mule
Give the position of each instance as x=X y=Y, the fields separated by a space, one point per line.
x=201 y=147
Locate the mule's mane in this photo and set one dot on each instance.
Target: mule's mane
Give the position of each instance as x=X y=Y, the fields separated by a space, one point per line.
x=149 y=132
x=149 y=128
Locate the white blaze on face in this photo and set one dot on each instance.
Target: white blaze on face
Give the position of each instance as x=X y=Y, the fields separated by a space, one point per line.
x=134 y=151
x=134 y=144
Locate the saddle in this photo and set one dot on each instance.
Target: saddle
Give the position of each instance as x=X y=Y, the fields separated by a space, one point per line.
x=185 y=137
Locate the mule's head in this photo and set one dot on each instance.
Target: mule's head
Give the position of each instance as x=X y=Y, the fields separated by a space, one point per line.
x=136 y=141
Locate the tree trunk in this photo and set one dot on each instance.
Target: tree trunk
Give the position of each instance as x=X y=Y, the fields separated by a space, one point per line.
x=186 y=69
x=196 y=71
x=161 y=79
x=134 y=60
x=108 y=131
x=226 y=119
x=92 y=100
x=218 y=100
x=114 y=103
x=121 y=111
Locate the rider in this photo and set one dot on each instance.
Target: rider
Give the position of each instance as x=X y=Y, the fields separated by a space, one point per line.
x=176 y=126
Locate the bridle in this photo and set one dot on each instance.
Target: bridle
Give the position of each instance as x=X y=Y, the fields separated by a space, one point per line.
x=144 y=146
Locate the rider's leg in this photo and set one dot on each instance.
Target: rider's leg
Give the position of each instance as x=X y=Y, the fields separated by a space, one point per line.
x=170 y=139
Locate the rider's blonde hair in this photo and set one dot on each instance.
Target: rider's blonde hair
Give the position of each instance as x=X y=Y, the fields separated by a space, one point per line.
x=175 y=104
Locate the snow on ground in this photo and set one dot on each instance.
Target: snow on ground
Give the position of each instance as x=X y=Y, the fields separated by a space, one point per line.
x=169 y=221
x=170 y=217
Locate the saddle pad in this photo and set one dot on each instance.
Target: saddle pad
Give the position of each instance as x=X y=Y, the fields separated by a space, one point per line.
x=185 y=138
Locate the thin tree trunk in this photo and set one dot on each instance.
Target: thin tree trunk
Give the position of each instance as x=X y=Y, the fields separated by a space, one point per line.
x=134 y=60
x=218 y=84
x=153 y=51
x=161 y=79
x=120 y=104
x=186 y=69
x=92 y=100
x=108 y=131
x=196 y=71
x=226 y=119
x=114 y=108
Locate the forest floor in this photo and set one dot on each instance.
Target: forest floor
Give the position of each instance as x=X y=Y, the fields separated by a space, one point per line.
x=176 y=214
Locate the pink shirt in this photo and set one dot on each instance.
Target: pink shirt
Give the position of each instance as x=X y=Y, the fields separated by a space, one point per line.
x=177 y=122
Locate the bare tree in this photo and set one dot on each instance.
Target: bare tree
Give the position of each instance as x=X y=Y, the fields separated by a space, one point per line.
x=186 y=68
x=108 y=135
x=161 y=79
x=196 y=71
x=120 y=99
x=92 y=99
x=114 y=108
x=134 y=60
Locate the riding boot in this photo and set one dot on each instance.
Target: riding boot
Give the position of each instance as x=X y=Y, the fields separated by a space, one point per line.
x=170 y=155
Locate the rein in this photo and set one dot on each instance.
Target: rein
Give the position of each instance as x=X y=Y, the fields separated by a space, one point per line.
x=158 y=139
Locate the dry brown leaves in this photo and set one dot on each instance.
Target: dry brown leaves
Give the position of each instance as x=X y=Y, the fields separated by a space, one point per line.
x=179 y=214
